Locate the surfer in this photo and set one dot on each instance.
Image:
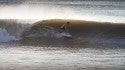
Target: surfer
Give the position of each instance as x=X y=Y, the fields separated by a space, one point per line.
x=65 y=27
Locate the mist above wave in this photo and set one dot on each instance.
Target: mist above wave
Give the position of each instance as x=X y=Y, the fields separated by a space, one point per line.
x=103 y=11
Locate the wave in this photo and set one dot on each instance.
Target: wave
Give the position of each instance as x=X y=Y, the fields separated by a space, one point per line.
x=47 y=32
x=77 y=27
x=103 y=33
x=5 y=36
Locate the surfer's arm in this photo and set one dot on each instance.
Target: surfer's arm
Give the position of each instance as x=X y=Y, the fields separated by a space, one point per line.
x=62 y=26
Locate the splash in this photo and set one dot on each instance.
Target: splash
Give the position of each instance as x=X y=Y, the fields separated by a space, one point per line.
x=46 y=31
x=5 y=36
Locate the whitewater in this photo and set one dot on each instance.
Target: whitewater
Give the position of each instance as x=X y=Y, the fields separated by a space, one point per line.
x=5 y=36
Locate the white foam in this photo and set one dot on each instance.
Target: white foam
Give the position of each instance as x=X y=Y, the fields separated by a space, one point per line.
x=65 y=34
x=5 y=36
x=49 y=32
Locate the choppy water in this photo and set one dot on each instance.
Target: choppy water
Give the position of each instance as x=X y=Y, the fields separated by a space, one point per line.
x=15 y=56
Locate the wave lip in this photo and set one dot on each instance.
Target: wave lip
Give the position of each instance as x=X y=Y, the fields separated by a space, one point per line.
x=5 y=36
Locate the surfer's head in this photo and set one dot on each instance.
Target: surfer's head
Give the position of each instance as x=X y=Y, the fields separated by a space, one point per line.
x=67 y=22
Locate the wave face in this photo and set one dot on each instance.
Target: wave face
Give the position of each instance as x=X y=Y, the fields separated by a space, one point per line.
x=84 y=33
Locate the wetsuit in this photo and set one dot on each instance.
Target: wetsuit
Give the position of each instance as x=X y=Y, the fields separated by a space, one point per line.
x=65 y=27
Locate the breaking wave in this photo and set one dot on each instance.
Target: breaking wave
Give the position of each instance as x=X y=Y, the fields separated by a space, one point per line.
x=11 y=30
x=5 y=36
x=47 y=32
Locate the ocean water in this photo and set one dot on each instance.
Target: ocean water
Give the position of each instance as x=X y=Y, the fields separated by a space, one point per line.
x=92 y=47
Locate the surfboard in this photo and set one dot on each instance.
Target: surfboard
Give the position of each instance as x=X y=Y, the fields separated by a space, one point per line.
x=66 y=34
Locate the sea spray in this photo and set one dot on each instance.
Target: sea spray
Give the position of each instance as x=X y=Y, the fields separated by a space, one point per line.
x=5 y=36
x=15 y=27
